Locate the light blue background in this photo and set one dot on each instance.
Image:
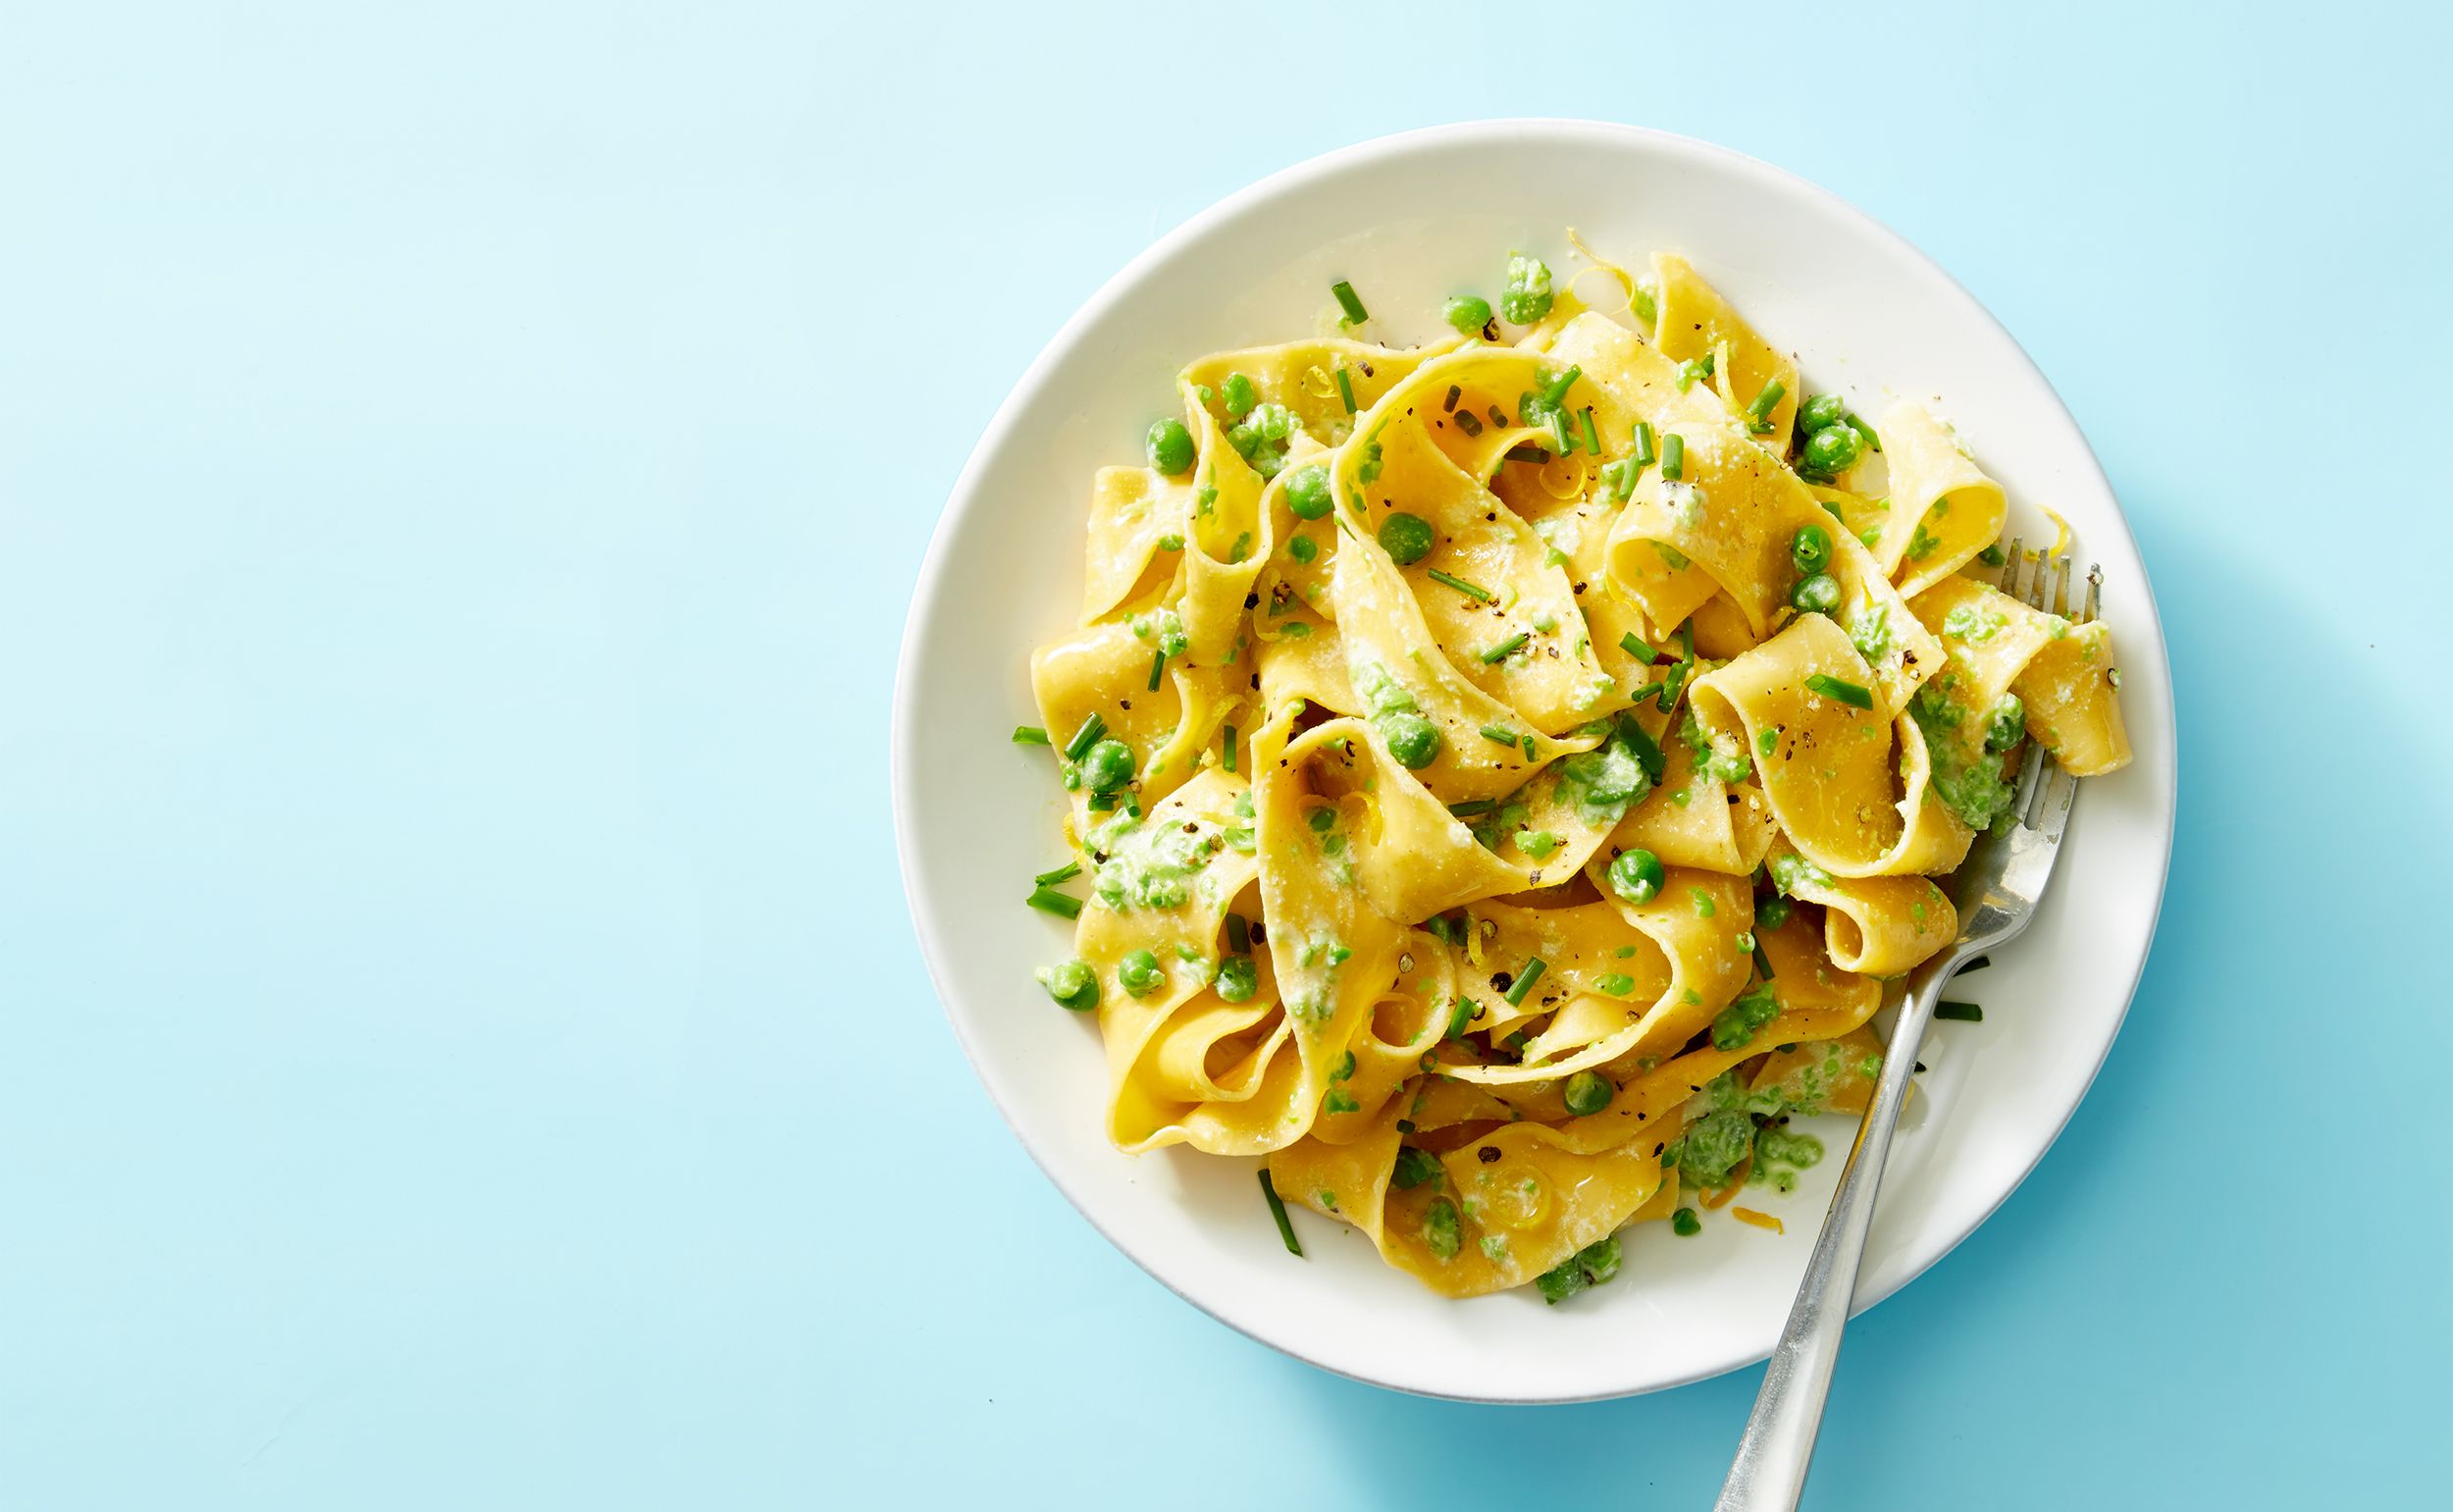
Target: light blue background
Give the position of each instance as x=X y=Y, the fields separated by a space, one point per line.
x=462 y=473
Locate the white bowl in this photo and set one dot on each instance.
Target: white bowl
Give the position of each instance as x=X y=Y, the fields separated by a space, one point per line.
x=1411 y=220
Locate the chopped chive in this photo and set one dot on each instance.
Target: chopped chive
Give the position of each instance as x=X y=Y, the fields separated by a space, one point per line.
x=1049 y=901
x=1762 y=963
x=1592 y=436
x=1673 y=457
x=1498 y=417
x=1692 y=368
x=1839 y=690
x=1230 y=748
x=1447 y=406
x=1647 y=689
x=1473 y=806
x=1643 y=443
x=1277 y=1210
x=1682 y=669
x=1466 y=422
x=1063 y=874
x=1355 y=313
x=1030 y=735
x=1873 y=442
x=1503 y=736
x=1559 y=387
x=1964 y=1012
x=1773 y=393
x=1091 y=731
x=1524 y=452
x=1535 y=966
x=1238 y=933
x=1991 y=556
x=1527 y=745
x=1158 y=669
x=1636 y=649
x=1461 y=1016
x=1469 y=590
x=1345 y=389
x=1505 y=649
x=1560 y=434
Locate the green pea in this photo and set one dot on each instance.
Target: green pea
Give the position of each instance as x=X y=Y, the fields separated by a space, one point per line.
x=1303 y=548
x=1646 y=304
x=1171 y=448
x=1140 y=973
x=1108 y=766
x=2005 y=724
x=1469 y=313
x=1799 y=1150
x=1833 y=449
x=1528 y=295
x=1412 y=739
x=1685 y=1224
x=1715 y=1146
x=1406 y=538
x=1240 y=395
x=1822 y=413
x=1589 y=1092
x=1415 y=1167
x=1073 y=984
x=1238 y=979
x=1810 y=548
x=1306 y=492
x=1817 y=595
x=1636 y=876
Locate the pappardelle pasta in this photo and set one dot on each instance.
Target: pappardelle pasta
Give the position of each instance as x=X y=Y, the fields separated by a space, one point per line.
x=1503 y=773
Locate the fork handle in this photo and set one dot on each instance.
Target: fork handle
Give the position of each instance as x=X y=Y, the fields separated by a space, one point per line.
x=1769 y=1472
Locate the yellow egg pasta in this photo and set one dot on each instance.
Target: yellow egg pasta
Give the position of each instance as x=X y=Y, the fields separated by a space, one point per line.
x=1502 y=774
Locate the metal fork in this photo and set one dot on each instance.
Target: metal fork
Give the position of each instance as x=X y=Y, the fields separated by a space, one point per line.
x=1996 y=890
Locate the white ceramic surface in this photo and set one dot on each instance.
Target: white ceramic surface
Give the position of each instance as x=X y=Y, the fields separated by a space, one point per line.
x=1410 y=220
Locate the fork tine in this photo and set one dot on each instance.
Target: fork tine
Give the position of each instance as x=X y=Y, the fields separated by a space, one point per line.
x=2030 y=769
x=2058 y=791
x=2095 y=594
x=2043 y=793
